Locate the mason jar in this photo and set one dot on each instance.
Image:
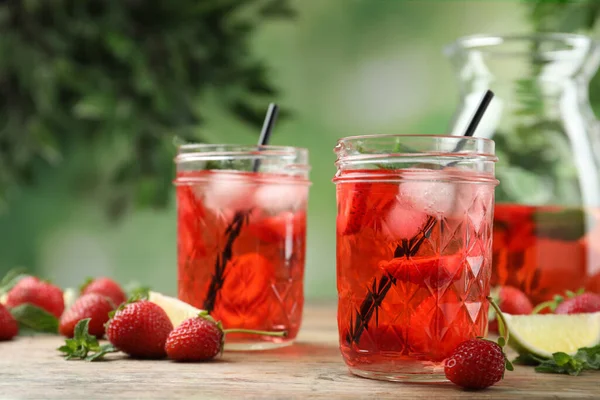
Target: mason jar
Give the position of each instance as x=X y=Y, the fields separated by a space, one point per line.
x=241 y=237
x=414 y=249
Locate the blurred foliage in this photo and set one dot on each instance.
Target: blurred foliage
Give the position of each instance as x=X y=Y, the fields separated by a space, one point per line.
x=124 y=76
x=575 y=16
x=535 y=157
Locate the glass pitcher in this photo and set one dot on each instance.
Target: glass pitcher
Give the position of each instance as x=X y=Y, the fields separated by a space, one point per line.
x=547 y=213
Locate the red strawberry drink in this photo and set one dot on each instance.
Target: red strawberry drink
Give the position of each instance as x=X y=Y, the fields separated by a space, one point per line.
x=414 y=248
x=242 y=237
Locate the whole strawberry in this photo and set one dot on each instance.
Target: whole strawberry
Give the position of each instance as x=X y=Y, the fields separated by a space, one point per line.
x=140 y=329
x=583 y=303
x=201 y=338
x=8 y=326
x=106 y=287
x=511 y=301
x=475 y=364
x=92 y=305
x=196 y=339
x=38 y=293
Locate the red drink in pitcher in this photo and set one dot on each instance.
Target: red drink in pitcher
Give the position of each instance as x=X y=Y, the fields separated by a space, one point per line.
x=546 y=250
x=241 y=250
x=413 y=267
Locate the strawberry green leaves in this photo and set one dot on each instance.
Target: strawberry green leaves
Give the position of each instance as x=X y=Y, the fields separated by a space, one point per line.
x=556 y=301
x=587 y=358
x=11 y=278
x=85 y=346
x=34 y=318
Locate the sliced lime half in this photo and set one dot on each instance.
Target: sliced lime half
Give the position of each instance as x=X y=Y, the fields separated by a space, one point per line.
x=544 y=334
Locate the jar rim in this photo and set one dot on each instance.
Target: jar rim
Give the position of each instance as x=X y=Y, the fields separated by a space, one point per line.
x=202 y=151
x=235 y=148
x=414 y=135
x=486 y=42
x=397 y=145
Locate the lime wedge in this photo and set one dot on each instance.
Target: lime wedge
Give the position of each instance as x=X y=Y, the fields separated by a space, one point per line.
x=177 y=310
x=544 y=334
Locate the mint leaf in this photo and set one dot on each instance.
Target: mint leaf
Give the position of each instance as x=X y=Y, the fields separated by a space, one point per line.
x=103 y=350
x=587 y=358
x=35 y=318
x=82 y=344
x=527 y=359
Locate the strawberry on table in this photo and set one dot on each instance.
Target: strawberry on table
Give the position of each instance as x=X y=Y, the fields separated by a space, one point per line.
x=196 y=339
x=476 y=364
x=201 y=338
x=92 y=305
x=31 y=290
x=140 y=330
x=106 y=287
x=8 y=326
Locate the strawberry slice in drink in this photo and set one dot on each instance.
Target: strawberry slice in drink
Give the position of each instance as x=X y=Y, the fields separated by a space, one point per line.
x=243 y=301
x=352 y=207
x=433 y=272
x=190 y=223
x=276 y=228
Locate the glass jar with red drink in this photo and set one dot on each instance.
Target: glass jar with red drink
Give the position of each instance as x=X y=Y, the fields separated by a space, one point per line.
x=547 y=215
x=241 y=237
x=414 y=247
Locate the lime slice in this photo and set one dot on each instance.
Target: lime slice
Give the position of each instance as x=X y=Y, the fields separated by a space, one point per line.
x=177 y=310
x=544 y=334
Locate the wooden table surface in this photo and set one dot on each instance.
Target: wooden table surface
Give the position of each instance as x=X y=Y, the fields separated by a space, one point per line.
x=30 y=368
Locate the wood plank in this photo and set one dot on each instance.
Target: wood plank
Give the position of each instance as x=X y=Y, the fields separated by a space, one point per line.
x=30 y=368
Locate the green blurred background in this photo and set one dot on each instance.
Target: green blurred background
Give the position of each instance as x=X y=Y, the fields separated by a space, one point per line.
x=341 y=67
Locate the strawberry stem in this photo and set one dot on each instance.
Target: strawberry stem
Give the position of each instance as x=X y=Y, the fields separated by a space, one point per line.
x=502 y=326
x=542 y=306
x=254 y=332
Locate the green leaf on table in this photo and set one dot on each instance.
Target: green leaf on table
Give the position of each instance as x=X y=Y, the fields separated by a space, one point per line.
x=84 y=346
x=586 y=359
x=35 y=318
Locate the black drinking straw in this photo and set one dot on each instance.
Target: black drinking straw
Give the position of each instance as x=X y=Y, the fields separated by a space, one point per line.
x=267 y=128
x=408 y=248
x=235 y=227
x=485 y=102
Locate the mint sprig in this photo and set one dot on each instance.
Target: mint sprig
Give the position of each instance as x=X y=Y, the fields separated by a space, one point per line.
x=85 y=346
x=586 y=359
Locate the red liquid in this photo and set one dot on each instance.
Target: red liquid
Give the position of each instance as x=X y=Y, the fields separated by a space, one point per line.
x=546 y=250
x=436 y=296
x=261 y=286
